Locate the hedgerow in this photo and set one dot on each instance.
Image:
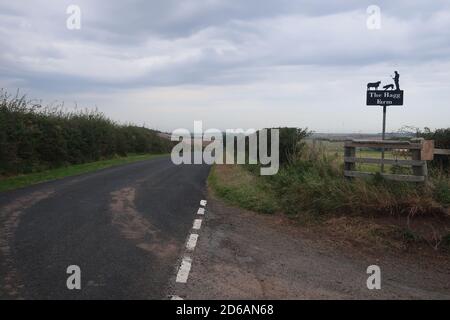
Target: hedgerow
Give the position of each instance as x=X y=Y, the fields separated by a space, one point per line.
x=34 y=137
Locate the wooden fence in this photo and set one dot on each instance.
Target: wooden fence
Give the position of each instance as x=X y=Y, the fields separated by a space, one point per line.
x=420 y=150
x=444 y=152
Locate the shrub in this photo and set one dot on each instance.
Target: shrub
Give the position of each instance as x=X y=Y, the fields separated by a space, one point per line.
x=291 y=144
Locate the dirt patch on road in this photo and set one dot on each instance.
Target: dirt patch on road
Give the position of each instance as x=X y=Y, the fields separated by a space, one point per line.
x=125 y=216
x=245 y=255
x=132 y=225
x=10 y=215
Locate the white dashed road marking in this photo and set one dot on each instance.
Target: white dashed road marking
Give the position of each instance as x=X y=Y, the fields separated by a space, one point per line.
x=192 y=242
x=186 y=263
x=197 y=224
x=185 y=268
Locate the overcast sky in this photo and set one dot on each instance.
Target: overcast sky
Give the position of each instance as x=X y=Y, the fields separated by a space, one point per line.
x=232 y=63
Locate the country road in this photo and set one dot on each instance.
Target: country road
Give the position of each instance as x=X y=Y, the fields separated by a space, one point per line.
x=125 y=227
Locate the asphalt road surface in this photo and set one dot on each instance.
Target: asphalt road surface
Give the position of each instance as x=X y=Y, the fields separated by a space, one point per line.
x=125 y=227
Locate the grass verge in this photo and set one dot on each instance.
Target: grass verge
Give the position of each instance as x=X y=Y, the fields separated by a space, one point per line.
x=237 y=186
x=367 y=213
x=20 y=181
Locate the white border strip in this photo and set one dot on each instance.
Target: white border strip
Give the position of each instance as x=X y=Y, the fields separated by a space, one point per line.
x=186 y=263
x=192 y=242
x=185 y=268
x=197 y=224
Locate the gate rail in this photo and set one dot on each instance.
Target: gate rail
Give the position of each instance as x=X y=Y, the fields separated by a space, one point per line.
x=421 y=150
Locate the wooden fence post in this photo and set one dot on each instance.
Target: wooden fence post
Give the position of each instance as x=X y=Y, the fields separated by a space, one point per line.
x=349 y=152
x=416 y=154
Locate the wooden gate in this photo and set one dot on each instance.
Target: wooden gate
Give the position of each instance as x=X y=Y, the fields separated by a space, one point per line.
x=420 y=150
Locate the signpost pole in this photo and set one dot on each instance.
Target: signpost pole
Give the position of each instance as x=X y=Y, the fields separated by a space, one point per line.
x=390 y=96
x=383 y=136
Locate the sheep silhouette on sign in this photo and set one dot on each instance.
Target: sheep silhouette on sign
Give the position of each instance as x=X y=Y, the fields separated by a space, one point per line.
x=385 y=94
x=374 y=85
x=396 y=79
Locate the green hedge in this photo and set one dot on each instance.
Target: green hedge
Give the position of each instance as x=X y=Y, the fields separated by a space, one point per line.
x=34 y=138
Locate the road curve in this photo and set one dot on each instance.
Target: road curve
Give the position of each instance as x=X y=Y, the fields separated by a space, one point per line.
x=125 y=227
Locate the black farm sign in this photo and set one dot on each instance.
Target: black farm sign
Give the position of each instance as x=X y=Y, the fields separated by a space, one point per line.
x=391 y=95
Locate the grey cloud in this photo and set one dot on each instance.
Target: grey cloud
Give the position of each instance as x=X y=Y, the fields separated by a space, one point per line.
x=209 y=42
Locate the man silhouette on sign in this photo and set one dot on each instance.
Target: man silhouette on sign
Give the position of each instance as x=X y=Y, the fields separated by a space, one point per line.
x=396 y=79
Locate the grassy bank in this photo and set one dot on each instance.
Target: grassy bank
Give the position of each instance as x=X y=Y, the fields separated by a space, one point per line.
x=72 y=170
x=312 y=190
x=310 y=180
x=359 y=214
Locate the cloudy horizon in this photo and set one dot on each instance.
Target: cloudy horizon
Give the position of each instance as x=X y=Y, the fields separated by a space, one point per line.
x=230 y=63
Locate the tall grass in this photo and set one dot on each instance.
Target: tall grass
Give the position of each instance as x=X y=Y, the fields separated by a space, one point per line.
x=35 y=138
x=314 y=182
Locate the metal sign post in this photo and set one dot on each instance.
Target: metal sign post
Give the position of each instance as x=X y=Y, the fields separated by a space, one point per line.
x=390 y=96
x=383 y=135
